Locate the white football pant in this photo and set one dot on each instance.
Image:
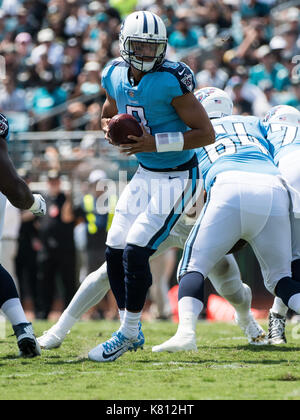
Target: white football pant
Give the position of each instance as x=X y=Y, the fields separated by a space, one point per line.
x=289 y=167
x=151 y=205
x=249 y=206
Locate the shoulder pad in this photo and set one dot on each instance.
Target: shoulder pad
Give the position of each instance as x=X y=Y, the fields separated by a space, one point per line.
x=117 y=62
x=182 y=72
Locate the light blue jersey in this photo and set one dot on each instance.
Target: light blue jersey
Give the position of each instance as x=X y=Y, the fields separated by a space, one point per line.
x=284 y=137
x=240 y=145
x=150 y=103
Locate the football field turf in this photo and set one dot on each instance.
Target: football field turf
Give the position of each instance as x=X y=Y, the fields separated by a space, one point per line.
x=225 y=367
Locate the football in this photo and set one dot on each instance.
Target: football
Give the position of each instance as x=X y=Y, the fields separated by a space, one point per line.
x=121 y=126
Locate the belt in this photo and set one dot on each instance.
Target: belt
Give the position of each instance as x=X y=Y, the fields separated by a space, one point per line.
x=184 y=167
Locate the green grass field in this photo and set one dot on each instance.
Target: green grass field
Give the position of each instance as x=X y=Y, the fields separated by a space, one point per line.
x=225 y=367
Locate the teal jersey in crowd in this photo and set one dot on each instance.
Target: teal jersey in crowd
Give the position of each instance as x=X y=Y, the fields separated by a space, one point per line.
x=240 y=145
x=279 y=76
x=284 y=138
x=150 y=103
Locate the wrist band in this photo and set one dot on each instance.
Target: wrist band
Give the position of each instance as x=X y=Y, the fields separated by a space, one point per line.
x=169 y=142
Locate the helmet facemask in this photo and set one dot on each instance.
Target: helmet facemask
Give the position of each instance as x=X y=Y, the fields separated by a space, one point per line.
x=144 y=54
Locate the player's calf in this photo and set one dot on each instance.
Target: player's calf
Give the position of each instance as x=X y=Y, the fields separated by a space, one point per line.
x=115 y=271
x=138 y=277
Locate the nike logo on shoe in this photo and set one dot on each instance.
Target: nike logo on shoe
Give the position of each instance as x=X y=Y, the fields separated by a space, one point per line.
x=107 y=356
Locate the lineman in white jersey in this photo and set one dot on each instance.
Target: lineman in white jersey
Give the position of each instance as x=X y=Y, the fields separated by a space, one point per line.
x=283 y=131
x=246 y=200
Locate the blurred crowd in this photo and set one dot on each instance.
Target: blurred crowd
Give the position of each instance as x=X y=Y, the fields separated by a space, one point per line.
x=54 y=51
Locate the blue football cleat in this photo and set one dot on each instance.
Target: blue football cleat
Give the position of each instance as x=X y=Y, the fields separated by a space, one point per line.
x=113 y=348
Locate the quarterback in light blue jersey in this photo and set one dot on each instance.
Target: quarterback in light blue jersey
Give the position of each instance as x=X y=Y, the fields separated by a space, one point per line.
x=160 y=87
x=158 y=93
x=282 y=124
x=247 y=200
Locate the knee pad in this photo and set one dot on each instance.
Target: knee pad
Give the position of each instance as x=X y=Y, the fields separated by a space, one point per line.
x=226 y=276
x=113 y=255
x=136 y=264
x=114 y=263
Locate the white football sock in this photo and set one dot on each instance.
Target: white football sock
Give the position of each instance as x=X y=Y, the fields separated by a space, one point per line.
x=14 y=311
x=64 y=324
x=121 y=314
x=92 y=291
x=279 y=307
x=241 y=301
x=130 y=324
x=189 y=309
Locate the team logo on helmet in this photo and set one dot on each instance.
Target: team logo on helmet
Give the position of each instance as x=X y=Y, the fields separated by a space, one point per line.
x=282 y=113
x=271 y=113
x=204 y=93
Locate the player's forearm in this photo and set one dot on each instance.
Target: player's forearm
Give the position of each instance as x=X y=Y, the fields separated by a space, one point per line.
x=18 y=194
x=193 y=139
x=109 y=109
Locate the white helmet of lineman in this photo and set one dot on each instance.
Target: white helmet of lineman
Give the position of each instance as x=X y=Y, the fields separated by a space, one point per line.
x=143 y=40
x=216 y=102
x=283 y=114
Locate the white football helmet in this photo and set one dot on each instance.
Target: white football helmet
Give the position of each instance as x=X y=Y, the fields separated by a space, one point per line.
x=282 y=114
x=143 y=40
x=216 y=102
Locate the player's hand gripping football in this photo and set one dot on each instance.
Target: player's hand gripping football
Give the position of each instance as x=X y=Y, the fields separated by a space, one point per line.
x=144 y=143
x=104 y=126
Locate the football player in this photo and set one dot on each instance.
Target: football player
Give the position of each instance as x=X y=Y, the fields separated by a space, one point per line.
x=225 y=277
x=283 y=131
x=247 y=199
x=13 y=188
x=158 y=93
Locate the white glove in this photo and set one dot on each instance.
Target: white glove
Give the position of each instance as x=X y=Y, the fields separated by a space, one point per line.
x=39 y=206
